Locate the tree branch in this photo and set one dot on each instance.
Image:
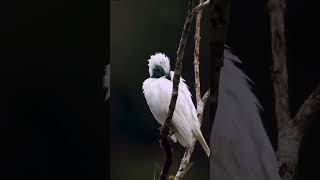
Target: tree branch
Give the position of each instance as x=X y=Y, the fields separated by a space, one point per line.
x=279 y=71
x=206 y=96
x=310 y=107
x=289 y=137
x=189 y=150
x=201 y=6
x=200 y=105
x=164 y=132
x=196 y=56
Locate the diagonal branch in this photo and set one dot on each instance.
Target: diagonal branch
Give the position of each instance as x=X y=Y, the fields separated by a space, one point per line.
x=189 y=150
x=206 y=96
x=200 y=104
x=164 y=132
x=310 y=107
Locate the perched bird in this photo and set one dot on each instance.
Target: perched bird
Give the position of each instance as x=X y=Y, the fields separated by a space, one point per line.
x=157 y=90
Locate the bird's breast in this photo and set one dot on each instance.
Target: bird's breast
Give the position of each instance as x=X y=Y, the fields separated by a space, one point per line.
x=157 y=93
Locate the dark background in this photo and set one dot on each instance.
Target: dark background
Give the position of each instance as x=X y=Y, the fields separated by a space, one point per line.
x=53 y=121
x=139 y=29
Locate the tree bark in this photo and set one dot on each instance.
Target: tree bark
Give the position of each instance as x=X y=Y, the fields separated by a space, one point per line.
x=164 y=132
x=288 y=137
x=196 y=55
x=290 y=130
x=200 y=101
x=279 y=70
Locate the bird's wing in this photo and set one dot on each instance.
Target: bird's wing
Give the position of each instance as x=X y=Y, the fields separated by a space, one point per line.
x=184 y=90
x=181 y=119
x=191 y=115
x=158 y=94
x=242 y=148
x=187 y=112
x=156 y=100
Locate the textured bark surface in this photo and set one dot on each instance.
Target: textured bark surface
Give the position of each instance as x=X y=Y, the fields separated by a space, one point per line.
x=279 y=70
x=164 y=132
x=200 y=102
x=288 y=137
x=196 y=55
x=188 y=152
x=289 y=140
x=290 y=130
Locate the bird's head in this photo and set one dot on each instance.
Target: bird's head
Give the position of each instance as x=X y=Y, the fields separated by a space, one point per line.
x=159 y=65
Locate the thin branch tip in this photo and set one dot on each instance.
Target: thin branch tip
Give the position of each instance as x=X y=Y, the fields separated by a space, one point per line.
x=200 y=104
x=165 y=139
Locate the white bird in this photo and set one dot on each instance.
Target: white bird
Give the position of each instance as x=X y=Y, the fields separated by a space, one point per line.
x=158 y=90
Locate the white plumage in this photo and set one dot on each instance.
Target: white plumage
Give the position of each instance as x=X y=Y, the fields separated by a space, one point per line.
x=242 y=148
x=158 y=90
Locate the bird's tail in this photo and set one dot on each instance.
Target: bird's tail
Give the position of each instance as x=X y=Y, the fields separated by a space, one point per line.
x=198 y=135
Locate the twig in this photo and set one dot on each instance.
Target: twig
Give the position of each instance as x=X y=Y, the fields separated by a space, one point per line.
x=200 y=103
x=164 y=132
x=176 y=79
x=201 y=6
x=196 y=55
x=206 y=96
x=189 y=150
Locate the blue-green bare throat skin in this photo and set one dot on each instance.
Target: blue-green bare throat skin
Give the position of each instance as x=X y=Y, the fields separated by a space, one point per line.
x=158 y=72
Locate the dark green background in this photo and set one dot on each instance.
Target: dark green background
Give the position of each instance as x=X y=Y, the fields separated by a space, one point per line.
x=139 y=29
